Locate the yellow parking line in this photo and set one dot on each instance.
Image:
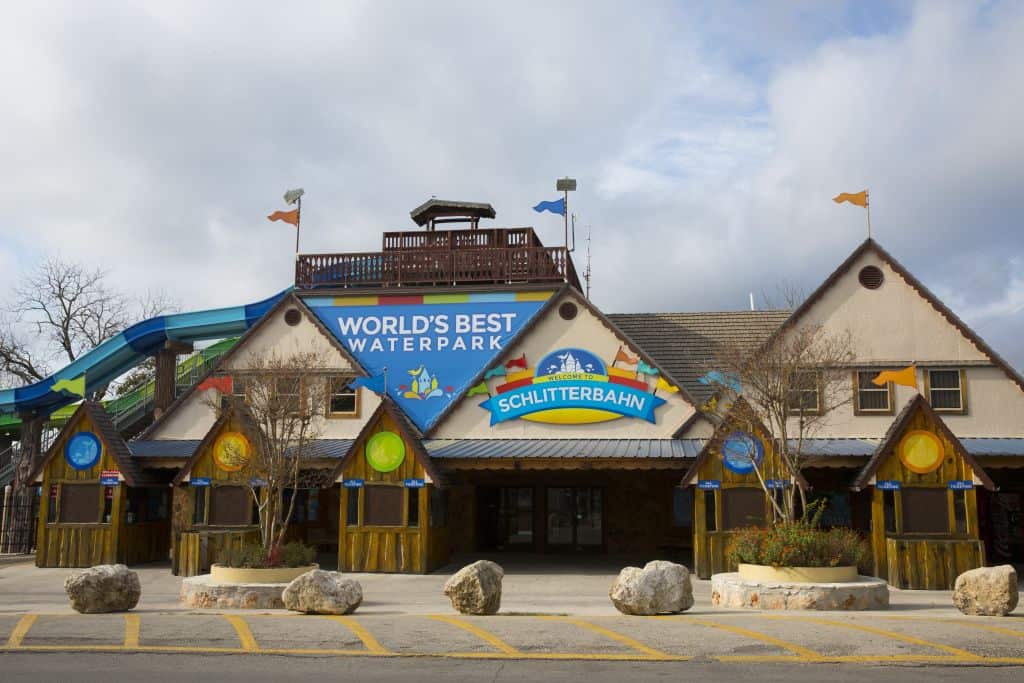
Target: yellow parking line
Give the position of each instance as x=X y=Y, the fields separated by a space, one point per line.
x=961 y=622
x=487 y=637
x=614 y=635
x=360 y=631
x=131 y=630
x=21 y=630
x=955 y=651
x=245 y=637
x=763 y=637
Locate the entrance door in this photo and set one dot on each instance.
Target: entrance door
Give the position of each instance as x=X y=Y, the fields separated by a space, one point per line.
x=506 y=518
x=575 y=517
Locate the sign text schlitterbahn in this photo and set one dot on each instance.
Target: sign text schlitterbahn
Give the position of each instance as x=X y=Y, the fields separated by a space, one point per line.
x=571 y=386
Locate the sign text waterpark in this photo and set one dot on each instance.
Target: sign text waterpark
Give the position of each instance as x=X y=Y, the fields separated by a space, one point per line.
x=419 y=332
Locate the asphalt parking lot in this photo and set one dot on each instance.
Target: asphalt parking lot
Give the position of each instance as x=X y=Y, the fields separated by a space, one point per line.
x=701 y=635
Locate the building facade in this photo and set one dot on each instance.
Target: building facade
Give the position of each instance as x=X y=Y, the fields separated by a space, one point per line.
x=522 y=418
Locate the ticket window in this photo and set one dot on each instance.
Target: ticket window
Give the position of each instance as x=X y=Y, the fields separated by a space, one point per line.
x=83 y=504
x=742 y=507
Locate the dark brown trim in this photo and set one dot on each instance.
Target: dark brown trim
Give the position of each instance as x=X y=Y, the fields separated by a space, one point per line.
x=890 y=389
x=886 y=447
x=870 y=245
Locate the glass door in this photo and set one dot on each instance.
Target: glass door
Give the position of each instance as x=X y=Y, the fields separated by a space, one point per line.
x=575 y=517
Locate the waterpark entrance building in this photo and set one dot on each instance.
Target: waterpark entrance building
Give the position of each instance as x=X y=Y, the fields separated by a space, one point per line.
x=479 y=403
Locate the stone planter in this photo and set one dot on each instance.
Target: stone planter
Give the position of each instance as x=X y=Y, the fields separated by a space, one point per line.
x=864 y=592
x=763 y=573
x=222 y=574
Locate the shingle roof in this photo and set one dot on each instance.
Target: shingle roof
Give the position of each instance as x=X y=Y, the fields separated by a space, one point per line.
x=685 y=343
x=164 y=448
x=563 y=448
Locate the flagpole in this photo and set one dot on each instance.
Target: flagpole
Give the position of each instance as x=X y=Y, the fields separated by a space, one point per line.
x=867 y=205
x=565 y=208
x=298 y=222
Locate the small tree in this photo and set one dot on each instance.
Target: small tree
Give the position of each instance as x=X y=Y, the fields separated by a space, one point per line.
x=791 y=386
x=280 y=409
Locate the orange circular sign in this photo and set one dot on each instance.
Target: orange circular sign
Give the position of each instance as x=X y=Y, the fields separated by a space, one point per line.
x=921 y=451
x=231 y=451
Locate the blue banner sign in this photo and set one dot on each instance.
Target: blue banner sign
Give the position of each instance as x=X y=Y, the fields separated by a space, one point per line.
x=353 y=483
x=431 y=345
x=776 y=483
x=887 y=485
x=257 y=483
x=709 y=484
x=109 y=481
x=961 y=484
x=414 y=483
x=572 y=386
x=200 y=481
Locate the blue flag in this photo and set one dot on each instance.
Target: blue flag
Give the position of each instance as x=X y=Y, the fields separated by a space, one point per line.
x=721 y=379
x=557 y=206
x=375 y=383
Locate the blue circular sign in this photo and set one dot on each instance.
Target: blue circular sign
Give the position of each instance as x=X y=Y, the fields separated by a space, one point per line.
x=82 y=451
x=741 y=452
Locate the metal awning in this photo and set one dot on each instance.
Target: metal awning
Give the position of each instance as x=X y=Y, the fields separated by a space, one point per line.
x=563 y=448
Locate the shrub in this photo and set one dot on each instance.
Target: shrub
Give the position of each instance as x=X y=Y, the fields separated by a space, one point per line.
x=297 y=554
x=798 y=544
x=251 y=556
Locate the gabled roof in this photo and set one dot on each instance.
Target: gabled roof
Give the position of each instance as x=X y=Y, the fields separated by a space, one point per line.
x=221 y=364
x=686 y=343
x=565 y=290
x=869 y=245
x=446 y=207
x=108 y=434
x=409 y=431
x=212 y=434
x=895 y=431
x=728 y=425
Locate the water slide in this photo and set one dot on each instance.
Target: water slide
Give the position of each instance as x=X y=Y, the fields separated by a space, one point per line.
x=121 y=353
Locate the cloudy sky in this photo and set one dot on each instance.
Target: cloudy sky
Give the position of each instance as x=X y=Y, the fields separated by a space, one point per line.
x=153 y=138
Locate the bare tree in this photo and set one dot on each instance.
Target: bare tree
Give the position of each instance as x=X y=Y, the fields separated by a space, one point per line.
x=790 y=387
x=60 y=310
x=282 y=411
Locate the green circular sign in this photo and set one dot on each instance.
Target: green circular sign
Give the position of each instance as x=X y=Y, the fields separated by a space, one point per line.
x=385 y=451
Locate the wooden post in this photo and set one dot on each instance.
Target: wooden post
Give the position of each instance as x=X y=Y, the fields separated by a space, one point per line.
x=166 y=363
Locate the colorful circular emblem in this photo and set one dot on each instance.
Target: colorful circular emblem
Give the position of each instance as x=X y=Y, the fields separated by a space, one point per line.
x=741 y=452
x=921 y=451
x=231 y=451
x=82 y=451
x=385 y=451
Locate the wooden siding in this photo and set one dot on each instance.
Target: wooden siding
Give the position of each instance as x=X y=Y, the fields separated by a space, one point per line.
x=401 y=549
x=78 y=545
x=195 y=551
x=931 y=564
x=710 y=547
x=924 y=561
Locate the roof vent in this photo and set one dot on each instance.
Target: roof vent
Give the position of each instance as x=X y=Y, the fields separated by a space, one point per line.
x=871 y=277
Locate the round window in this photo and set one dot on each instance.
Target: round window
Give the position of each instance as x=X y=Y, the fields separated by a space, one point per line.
x=568 y=310
x=292 y=316
x=871 y=277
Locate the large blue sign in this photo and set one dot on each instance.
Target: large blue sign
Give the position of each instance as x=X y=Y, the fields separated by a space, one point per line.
x=431 y=345
x=742 y=452
x=82 y=451
x=573 y=386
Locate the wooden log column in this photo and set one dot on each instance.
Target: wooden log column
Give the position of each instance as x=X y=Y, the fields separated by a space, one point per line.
x=166 y=362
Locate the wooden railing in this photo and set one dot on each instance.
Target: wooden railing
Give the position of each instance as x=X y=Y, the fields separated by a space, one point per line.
x=435 y=267
x=461 y=239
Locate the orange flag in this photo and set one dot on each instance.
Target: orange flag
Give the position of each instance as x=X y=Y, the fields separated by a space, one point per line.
x=907 y=377
x=858 y=198
x=286 y=216
x=621 y=356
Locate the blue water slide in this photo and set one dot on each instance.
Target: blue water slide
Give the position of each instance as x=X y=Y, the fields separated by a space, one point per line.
x=121 y=353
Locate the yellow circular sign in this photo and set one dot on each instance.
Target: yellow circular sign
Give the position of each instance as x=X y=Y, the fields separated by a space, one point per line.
x=921 y=451
x=231 y=451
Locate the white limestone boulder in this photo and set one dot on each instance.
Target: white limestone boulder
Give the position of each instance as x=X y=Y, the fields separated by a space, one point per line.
x=659 y=588
x=103 y=588
x=322 y=592
x=476 y=588
x=987 y=591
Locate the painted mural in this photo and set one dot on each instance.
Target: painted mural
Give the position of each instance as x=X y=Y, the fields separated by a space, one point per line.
x=424 y=350
x=573 y=386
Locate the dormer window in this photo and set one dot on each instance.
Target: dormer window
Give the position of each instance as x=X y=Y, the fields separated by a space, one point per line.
x=945 y=390
x=805 y=392
x=342 y=400
x=871 y=399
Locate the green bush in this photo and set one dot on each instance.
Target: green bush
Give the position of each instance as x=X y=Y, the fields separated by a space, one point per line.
x=798 y=544
x=252 y=556
x=297 y=554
